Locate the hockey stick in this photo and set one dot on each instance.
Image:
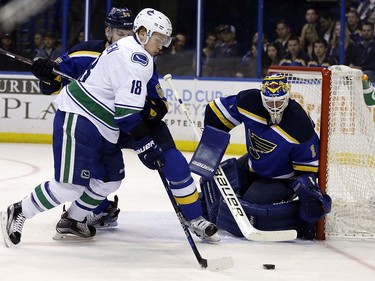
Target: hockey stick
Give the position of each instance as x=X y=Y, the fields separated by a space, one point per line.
x=30 y=62
x=226 y=190
x=212 y=264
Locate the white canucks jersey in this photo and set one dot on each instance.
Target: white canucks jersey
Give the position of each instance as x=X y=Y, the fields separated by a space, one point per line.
x=112 y=91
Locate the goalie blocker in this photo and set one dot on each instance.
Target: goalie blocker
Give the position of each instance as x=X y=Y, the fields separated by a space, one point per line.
x=268 y=217
x=210 y=151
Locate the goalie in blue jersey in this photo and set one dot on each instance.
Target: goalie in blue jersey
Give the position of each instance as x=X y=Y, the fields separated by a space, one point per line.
x=280 y=165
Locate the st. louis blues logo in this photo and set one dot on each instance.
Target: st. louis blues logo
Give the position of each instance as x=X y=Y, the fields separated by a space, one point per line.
x=140 y=58
x=259 y=145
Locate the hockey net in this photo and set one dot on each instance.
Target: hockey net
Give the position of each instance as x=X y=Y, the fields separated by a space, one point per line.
x=334 y=99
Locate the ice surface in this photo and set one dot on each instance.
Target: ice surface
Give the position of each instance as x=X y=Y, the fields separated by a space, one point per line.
x=149 y=243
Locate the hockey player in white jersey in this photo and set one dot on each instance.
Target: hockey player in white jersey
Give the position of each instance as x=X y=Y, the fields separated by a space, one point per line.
x=107 y=98
x=118 y=24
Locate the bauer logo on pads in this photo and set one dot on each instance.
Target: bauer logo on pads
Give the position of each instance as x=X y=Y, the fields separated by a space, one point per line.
x=140 y=58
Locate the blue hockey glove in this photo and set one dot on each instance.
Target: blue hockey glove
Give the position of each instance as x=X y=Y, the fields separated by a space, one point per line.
x=149 y=153
x=313 y=204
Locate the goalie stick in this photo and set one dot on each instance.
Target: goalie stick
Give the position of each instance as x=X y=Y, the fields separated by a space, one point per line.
x=226 y=190
x=30 y=62
x=211 y=264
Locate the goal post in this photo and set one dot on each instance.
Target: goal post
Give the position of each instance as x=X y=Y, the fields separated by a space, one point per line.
x=333 y=97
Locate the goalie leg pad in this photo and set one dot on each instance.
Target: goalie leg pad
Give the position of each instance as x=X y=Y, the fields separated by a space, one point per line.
x=268 y=191
x=279 y=216
x=211 y=196
x=209 y=152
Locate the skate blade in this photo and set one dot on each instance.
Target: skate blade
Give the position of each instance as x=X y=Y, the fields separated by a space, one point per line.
x=70 y=237
x=106 y=226
x=211 y=239
x=4 y=219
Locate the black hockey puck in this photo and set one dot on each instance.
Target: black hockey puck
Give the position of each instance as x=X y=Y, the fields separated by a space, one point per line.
x=268 y=266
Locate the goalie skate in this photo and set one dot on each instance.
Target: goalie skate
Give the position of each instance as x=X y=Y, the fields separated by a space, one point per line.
x=205 y=230
x=12 y=223
x=107 y=218
x=70 y=229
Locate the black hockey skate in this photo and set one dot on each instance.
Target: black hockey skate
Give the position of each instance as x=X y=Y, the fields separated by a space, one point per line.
x=72 y=229
x=205 y=230
x=107 y=218
x=12 y=223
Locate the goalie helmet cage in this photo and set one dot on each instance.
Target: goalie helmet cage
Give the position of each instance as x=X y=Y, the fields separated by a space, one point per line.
x=333 y=98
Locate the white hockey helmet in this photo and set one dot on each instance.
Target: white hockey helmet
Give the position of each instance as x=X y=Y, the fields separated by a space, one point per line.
x=275 y=91
x=154 y=21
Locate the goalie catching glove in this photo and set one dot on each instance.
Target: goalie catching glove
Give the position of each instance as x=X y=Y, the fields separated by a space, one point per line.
x=42 y=68
x=149 y=153
x=314 y=205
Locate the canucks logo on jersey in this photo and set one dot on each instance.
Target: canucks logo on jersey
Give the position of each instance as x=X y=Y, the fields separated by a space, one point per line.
x=140 y=58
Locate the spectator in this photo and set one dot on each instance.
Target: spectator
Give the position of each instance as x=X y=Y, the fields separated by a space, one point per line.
x=176 y=59
x=211 y=40
x=308 y=36
x=366 y=11
x=38 y=43
x=283 y=34
x=79 y=38
x=311 y=17
x=7 y=63
x=273 y=55
x=248 y=64
x=351 y=50
x=320 y=55
x=354 y=25
x=326 y=26
x=225 y=57
x=264 y=41
x=366 y=61
x=295 y=56
x=49 y=50
x=218 y=34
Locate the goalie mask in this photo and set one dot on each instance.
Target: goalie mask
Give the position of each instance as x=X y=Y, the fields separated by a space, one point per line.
x=275 y=96
x=153 y=21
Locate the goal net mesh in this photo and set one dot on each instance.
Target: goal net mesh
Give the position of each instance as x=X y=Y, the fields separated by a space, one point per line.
x=350 y=158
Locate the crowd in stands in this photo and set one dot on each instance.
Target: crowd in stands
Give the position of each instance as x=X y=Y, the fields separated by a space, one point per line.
x=315 y=43
x=45 y=45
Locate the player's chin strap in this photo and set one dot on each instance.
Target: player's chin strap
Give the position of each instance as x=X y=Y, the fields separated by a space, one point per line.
x=226 y=190
x=140 y=41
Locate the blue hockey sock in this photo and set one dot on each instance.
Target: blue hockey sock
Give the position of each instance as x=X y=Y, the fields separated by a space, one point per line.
x=177 y=172
x=103 y=206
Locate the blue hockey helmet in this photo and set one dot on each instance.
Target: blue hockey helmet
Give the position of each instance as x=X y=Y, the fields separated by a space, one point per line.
x=121 y=18
x=275 y=95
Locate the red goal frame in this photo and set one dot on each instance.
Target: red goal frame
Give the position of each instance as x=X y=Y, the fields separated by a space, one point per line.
x=324 y=117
